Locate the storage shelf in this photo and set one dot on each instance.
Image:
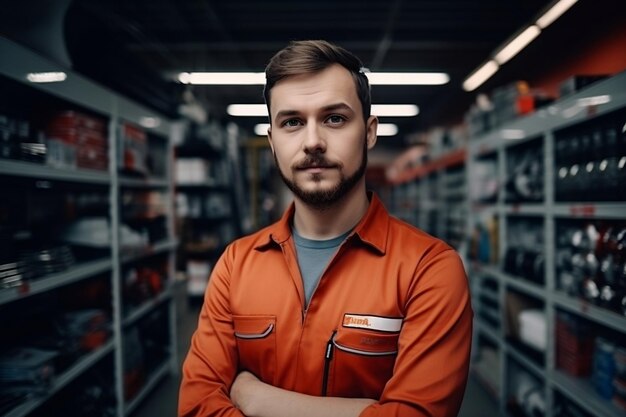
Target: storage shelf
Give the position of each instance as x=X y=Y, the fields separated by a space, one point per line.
x=517 y=283
x=545 y=128
x=82 y=365
x=52 y=281
x=528 y=288
x=591 y=312
x=591 y=210
x=202 y=187
x=531 y=209
x=44 y=172
x=582 y=393
x=447 y=160
x=146 y=307
x=487 y=330
x=154 y=379
x=560 y=116
x=136 y=253
x=131 y=182
x=481 y=377
x=489 y=295
x=82 y=96
x=525 y=361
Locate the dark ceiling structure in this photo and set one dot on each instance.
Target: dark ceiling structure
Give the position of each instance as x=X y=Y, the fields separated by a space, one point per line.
x=138 y=46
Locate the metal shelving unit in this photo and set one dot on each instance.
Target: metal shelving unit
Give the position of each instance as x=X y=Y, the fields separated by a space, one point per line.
x=433 y=197
x=87 y=95
x=540 y=129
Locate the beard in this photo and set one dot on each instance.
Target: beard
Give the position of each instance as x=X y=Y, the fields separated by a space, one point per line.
x=324 y=199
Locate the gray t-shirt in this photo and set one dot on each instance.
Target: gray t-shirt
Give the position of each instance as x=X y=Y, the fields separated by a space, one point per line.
x=313 y=256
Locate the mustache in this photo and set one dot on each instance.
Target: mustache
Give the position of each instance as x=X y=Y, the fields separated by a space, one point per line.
x=314 y=161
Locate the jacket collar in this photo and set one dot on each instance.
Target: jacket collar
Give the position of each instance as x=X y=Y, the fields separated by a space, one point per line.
x=372 y=230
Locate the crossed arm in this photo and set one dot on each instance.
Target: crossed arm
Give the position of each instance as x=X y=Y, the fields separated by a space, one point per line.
x=255 y=398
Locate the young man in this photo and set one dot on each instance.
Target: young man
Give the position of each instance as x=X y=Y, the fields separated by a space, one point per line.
x=337 y=309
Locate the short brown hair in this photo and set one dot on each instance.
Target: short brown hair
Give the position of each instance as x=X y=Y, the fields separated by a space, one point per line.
x=308 y=57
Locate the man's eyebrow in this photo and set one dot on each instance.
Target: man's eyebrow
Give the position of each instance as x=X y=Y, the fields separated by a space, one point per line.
x=330 y=107
x=286 y=113
x=337 y=106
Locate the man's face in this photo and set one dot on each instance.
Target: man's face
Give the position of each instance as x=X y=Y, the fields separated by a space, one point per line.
x=318 y=135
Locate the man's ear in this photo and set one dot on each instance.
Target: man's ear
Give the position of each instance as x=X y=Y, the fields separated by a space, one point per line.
x=269 y=138
x=371 y=129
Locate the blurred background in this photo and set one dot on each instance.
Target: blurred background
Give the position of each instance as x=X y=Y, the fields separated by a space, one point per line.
x=132 y=151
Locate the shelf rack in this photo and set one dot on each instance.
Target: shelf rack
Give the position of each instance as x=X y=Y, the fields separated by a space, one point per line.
x=83 y=93
x=542 y=126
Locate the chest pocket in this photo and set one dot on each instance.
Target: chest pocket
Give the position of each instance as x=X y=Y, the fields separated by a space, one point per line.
x=256 y=345
x=362 y=362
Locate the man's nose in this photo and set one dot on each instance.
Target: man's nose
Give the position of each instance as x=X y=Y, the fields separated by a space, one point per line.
x=314 y=141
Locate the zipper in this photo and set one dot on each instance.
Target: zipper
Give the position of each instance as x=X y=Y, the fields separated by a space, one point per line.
x=328 y=357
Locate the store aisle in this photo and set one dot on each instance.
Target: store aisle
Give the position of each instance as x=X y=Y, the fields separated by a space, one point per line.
x=163 y=400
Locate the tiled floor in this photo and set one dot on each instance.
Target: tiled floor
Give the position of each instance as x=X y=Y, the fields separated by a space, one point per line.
x=163 y=400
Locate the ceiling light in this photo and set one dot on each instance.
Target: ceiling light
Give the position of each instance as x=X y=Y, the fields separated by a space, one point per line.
x=554 y=13
x=481 y=75
x=387 y=129
x=247 y=110
x=258 y=78
x=395 y=110
x=382 y=110
x=384 y=129
x=46 y=77
x=517 y=44
x=261 y=129
x=222 y=78
x=407 y=78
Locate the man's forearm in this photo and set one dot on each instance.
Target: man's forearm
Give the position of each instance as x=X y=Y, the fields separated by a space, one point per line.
x=258 y=399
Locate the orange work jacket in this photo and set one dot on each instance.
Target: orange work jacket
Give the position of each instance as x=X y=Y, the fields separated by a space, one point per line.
x=389 y=320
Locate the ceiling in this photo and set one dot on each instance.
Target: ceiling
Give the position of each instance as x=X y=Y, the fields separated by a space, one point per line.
x=137 y=47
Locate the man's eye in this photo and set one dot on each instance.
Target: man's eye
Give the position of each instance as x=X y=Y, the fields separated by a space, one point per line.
x=336 y=119
x=291 y=123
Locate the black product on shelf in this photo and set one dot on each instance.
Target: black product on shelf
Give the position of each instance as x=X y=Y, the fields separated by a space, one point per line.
x=25 y=369
x=590 y=161
x=591 y=262
x=525 y=263
x=525 y=177
x=565 y=408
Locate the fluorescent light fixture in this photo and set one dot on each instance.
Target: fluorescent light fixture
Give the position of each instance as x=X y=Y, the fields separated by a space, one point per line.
x=407 y=78
x=382 y=110
x=222 y=78
x=517 y=44
x=261 y=129
x=46 y=77
x=247 y=110
x=482 y=74
x=258 y=78
x=384 y=129
x=150 y=122
x=594 y=100
x=395 y=110
x=387 y=129
x=512 y=134
x=554 y=12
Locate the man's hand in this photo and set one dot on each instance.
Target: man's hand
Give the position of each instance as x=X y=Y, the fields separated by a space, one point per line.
x=243 y=390
x=257 y=399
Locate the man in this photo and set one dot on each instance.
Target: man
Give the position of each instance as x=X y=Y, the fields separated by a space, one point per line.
x=337 y=309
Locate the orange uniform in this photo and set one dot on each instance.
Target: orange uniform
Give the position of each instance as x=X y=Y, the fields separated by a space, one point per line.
x=390 y=320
